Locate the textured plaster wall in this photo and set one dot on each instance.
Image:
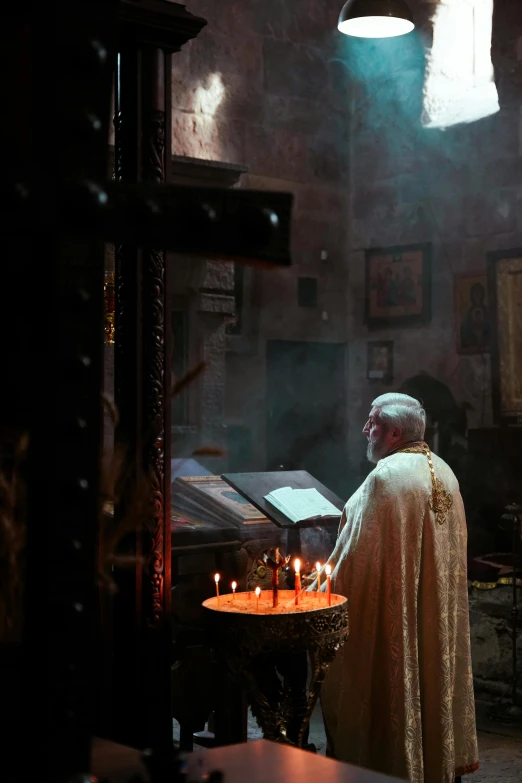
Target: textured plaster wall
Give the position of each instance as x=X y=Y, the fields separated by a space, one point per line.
x=458 y=188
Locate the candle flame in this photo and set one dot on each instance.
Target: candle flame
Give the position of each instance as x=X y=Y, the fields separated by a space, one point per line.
x=318 y=566
x=216 y=578
x=297 y=565
x=328 y=570
x=258 y=591
x=234 y=585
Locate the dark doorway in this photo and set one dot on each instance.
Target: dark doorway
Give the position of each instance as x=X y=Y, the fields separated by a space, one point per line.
x=306 y=410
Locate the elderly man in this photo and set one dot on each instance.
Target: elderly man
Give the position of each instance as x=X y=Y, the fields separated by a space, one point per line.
x=399 y=696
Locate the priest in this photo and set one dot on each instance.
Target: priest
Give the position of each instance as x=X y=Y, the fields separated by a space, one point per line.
x=398 y=698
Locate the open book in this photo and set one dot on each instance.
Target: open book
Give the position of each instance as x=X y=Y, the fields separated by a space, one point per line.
x=301 y=504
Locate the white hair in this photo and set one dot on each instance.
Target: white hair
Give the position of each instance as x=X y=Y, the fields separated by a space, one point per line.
x=401 y=411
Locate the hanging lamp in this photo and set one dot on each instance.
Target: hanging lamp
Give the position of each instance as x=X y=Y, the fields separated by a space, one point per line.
x=375 y=18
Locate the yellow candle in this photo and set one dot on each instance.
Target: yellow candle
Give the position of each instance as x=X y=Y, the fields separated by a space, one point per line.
x=234 y=585
x=318 y=569
x=328 y=570
x=258 y=593
x=216 y=580
x=297 y=566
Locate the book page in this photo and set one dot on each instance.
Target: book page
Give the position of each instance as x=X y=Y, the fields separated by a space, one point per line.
x=277 y=498
x=321 y=505
x=301 y=504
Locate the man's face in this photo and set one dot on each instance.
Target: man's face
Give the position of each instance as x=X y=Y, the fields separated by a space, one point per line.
x=380 y=440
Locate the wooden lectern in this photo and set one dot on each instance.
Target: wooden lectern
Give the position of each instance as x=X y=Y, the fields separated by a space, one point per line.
x=255 y=486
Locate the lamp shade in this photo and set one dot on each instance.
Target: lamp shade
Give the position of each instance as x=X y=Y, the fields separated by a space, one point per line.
x=375 y=18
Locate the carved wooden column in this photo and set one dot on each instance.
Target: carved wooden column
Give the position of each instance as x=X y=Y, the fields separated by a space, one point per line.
x=155 y=370
x=127 y=697
x=150 y=31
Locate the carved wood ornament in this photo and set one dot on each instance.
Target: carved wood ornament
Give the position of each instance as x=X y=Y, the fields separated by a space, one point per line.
x=150 y=30
x=154 y=368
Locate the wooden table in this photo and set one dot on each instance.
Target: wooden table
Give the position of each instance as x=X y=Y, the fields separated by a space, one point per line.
x=256 y=762
x=117 y=763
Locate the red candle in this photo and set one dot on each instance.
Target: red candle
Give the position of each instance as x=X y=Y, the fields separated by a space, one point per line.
x=318 y=569
x=234 y=585
x=328 y=570
x=297 y=566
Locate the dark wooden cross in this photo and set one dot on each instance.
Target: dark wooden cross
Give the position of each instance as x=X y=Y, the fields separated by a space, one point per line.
x=60 y=211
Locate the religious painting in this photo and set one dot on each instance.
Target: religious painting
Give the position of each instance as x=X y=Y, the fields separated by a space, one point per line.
x=380 y=361
x=224 y=495
x=505 y=295
x=398 y=286
x=472 y=313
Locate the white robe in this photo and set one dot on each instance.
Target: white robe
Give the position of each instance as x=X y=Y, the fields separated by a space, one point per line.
x=398 y=697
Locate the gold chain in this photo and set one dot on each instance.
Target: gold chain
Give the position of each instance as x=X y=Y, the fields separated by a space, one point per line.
x=440 y=500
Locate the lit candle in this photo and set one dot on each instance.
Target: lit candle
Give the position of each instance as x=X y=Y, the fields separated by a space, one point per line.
x=234 y=585
x=328 y=570
x=297 y=566
x=318 y=569
x=216 y=580
x=258 y=593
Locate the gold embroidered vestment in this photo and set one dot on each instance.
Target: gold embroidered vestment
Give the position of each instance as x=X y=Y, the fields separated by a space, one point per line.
x=398 y=698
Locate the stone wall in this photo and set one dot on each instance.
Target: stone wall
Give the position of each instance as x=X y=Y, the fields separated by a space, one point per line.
x=458 y=189
x=260 y=87
x=272 y=85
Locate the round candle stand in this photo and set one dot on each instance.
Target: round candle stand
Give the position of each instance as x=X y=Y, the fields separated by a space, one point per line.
x=250 y=642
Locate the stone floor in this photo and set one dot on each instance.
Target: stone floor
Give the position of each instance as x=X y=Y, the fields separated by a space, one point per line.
x=500 y=746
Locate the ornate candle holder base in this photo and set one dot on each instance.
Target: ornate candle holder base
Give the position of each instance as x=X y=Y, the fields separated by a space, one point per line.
x=267 y=648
